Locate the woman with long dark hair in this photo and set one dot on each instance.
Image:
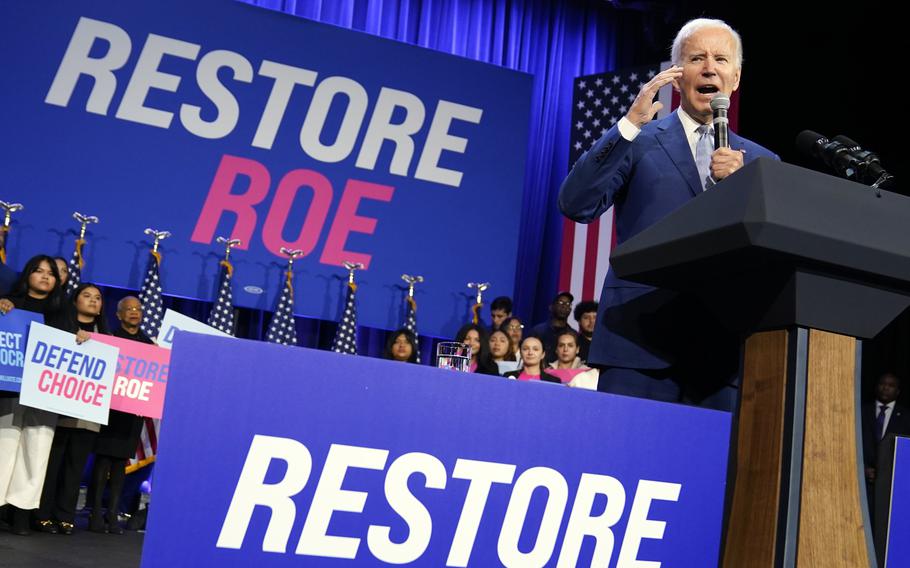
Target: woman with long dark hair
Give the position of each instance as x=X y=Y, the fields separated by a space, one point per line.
x=401 y=346
x=74 y=438
x=26 y=433
x=475 y=336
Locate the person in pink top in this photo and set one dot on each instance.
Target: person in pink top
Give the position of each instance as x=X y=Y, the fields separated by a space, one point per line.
x=569 y=367
x=533 y=359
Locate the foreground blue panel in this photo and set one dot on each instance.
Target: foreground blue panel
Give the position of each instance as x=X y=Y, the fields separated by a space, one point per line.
x=215 y=118
x=279 y=456
x=898 y=553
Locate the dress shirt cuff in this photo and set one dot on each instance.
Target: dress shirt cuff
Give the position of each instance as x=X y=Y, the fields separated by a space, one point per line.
x=628 y=130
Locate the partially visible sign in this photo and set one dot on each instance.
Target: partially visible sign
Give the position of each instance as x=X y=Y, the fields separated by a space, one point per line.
x=13 y=338
x=174 y=321
x=141 y=377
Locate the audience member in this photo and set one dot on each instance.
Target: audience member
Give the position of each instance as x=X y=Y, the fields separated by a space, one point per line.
x=401 y=346
x=500 y=309
x=532 y=362
x=586 y=316
x=549 y=330
x=475 y=336
x=26 y=433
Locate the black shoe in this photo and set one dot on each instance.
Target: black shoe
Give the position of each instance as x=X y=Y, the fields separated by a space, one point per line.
x=96 y=524
x=66 y=528
x=46 y=526
x=113 y=527
x=20 y=521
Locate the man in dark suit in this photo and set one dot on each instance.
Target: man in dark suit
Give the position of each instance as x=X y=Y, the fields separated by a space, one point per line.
x=881 y=418
x=650 y=342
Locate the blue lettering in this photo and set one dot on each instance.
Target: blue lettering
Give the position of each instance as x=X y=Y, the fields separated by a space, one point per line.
x=40 y=352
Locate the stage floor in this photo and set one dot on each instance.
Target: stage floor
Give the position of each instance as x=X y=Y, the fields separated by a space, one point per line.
x=82 y=549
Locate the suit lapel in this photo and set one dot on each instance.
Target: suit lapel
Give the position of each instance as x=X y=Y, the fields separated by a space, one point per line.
x=673 y=140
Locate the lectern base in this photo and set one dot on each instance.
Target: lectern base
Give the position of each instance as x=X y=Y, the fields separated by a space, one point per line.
x=798 y=498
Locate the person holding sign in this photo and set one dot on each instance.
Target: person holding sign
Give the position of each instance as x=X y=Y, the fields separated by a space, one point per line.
x=26 y=433
x=117 y=441
x=74 y=438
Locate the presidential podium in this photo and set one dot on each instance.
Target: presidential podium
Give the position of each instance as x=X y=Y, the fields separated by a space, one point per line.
x=802 y=265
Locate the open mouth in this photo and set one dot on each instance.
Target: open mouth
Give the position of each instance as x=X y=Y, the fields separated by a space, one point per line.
x=707 y=89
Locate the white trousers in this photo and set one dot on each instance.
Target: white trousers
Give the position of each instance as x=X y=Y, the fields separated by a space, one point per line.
x=26 y=435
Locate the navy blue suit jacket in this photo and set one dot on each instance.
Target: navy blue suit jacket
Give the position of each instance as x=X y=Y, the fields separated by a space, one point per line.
x=638 y=326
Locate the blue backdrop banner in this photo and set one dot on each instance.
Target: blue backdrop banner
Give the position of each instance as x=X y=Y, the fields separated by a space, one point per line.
x=272 y=129
x=316 y=457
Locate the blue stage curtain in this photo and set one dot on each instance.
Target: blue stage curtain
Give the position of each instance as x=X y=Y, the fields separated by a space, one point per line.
x=555 y=41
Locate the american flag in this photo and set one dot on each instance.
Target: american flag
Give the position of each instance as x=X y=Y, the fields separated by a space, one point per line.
x=410 y=321
x=222 y=316
x=282 y=328
x=346 y=335
x=148 y=445
x=74 y=267
x=150 y=296
x=599 y=101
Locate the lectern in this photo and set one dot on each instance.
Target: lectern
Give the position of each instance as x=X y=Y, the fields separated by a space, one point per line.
x=802 y=265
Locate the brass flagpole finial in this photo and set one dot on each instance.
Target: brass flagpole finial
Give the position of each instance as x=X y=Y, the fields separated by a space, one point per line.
x=9 y=209
x=480 y=286
x=411 y=280
x=291 y=254
x=352 y=268
x=158 y=235
x=84 y=221
x=228 y=245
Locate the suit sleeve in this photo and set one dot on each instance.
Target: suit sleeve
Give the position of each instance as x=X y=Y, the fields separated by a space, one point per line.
x=596 y=178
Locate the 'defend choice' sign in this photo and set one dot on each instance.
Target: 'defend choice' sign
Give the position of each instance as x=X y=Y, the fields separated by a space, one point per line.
x=215 y=118
x=336 y=460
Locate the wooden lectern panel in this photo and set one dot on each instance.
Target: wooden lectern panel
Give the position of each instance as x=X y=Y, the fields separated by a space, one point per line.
x=752 y=526
x=831 y=523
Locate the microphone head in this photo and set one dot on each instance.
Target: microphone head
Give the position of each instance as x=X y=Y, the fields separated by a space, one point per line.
x=720 y=101
x=846 y=141
x=807 y=142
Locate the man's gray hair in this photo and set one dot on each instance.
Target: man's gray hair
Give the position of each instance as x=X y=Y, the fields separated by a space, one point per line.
x=123 y=301
x=698 y=24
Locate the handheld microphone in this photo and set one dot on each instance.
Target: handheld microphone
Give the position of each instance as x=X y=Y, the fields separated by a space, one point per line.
x=719 y=105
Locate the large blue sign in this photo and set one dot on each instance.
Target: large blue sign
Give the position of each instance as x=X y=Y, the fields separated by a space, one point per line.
x=215 y=118
x=273 y=456
x=898 y=551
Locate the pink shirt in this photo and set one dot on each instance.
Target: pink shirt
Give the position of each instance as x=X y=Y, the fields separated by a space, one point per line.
x=566 y=375
x=526 y=377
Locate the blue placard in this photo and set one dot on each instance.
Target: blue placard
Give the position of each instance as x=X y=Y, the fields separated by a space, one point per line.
x=277 y=456
x=215 y=118
x=898 y=552
x=13 y=339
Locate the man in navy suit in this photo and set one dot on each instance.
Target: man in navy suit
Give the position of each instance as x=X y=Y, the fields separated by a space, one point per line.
x=881 y=418
x=650 y=342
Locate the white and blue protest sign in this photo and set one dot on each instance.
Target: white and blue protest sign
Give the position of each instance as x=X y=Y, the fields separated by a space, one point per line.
x=898 y=547
x=320 y=459
x=174 y=321
x=268 y=128
x=13 y=339
x=67 y=378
